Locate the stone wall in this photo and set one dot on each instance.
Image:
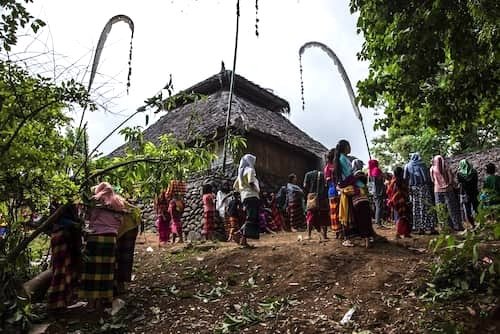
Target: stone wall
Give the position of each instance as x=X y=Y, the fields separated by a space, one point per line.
x=479 y=161
x=193 y=214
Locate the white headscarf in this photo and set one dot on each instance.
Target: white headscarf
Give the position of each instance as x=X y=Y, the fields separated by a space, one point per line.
x=247 y=160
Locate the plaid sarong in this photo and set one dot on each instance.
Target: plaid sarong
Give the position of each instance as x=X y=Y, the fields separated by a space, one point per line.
x=64 y=271
x=125 y=246
x=97 y=277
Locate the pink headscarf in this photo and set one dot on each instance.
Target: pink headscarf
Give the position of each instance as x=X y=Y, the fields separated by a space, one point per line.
x=440 y=171
x=104 y=193
x=373 y=169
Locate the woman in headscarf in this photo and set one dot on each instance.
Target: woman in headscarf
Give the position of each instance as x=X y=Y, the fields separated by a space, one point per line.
x=469 y=192
x=354 y=208
x=417 y=176
x=444 y=190
x=333 y=195
x=397 y=193
x=377 y=189
x=295 y=204
x=98 y=273
x=248 y=187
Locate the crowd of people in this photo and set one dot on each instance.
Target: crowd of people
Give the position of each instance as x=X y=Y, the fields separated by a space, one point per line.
x=340 y=198
x=344 y=199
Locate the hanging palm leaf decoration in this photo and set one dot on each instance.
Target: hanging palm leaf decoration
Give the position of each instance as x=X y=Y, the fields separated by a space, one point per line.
x=343 y=74
x=97 y=56
x=102 y=40
x=257 y=18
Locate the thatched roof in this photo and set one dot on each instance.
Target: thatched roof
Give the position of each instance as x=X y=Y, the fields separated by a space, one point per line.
x=254 y=110
x=243 y=88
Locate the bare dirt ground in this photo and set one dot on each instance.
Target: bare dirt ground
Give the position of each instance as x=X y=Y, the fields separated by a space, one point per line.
x=193 y=289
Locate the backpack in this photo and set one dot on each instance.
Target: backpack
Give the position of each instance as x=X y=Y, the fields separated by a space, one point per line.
x=281 y=198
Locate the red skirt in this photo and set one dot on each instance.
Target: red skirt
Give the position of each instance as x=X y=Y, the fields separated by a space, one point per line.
x=208 y=222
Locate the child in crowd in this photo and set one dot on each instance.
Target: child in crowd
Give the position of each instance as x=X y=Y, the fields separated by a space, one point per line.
x=163 y=219
x=398 y=200
x=491 y=187
x=176 y=209
x=208 y=211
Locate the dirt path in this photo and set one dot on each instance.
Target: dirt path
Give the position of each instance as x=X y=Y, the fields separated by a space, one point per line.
x=185 y=289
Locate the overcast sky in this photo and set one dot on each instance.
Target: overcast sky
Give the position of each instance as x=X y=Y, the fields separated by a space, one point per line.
x=189 y=38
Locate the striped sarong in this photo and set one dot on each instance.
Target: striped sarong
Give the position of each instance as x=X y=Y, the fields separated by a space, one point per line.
x=125 y=246
x=208 y=222
x=64 y=265
x=97 y=277
x=334 y=214
x=296 y=214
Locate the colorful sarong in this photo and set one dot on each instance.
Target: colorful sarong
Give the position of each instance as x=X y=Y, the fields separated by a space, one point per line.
x=334 y=214
x=125 y=246
x=97 y=277
x=64 y=271
x=234 y=225
x=345 y=208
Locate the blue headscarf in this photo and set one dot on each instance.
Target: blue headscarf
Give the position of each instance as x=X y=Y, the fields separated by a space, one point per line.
x=416 y=171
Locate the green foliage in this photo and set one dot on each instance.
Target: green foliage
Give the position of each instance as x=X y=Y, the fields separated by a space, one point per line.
x=213 y=294
x=155 y=165
x=433 y=64
x=394 y=149
x=237 y=145
x=32 y=148
x=247 y=316
x=15 y=15
x=468 y=264
x=200 y=275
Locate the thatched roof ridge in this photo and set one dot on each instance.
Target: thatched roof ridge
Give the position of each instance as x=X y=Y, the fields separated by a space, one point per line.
x=206 y=118
x=242 y=87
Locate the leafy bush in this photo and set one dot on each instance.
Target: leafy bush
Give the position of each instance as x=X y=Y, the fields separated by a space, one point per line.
x=467 y=263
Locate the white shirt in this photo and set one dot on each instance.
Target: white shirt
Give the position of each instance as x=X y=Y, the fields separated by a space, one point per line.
x=220 y=203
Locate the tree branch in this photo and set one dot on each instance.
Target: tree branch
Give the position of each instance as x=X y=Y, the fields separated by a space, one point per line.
x=26 y=241
x=121 y=164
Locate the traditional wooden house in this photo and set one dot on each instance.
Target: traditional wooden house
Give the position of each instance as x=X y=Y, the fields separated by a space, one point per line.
x=259 y=115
